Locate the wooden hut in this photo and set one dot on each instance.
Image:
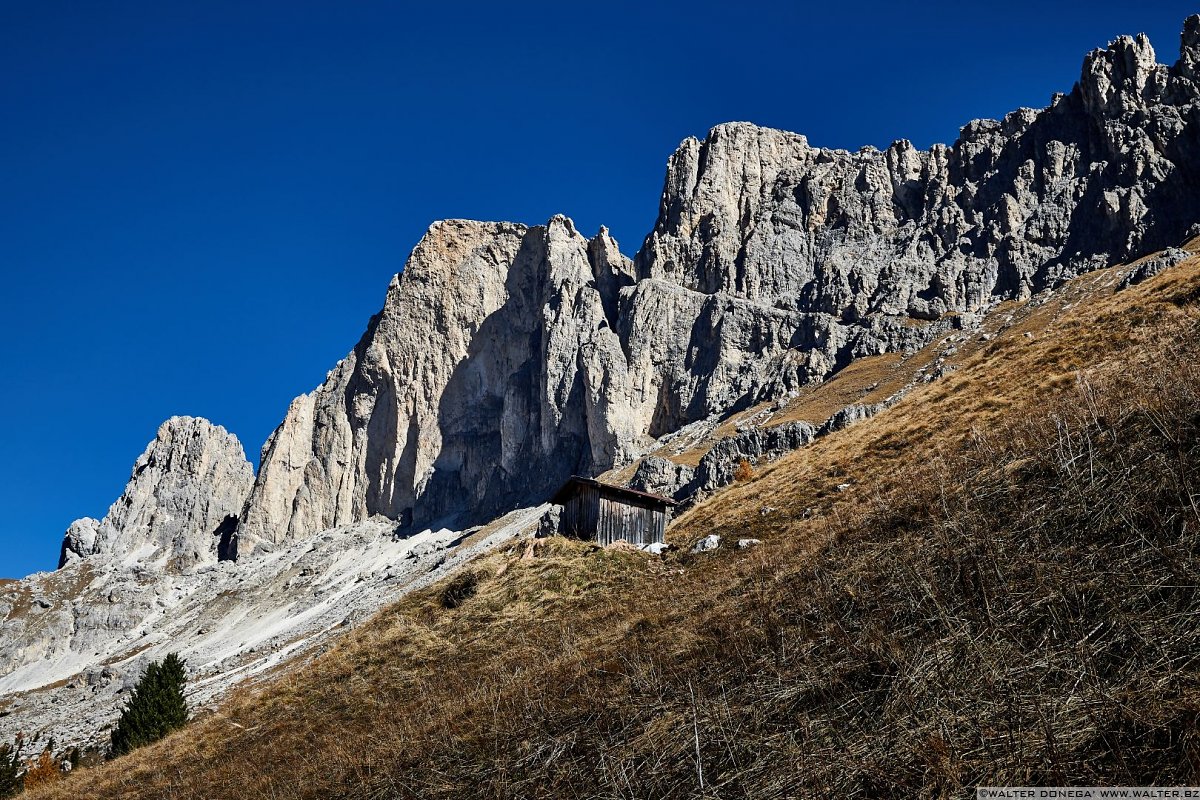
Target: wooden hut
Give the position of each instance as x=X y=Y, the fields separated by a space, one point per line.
x=605 y=513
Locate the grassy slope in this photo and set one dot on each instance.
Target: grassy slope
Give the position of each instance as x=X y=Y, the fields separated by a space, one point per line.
x=1005 y=594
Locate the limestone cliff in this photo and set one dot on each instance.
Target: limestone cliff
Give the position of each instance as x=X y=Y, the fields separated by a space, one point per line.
x=185 y=493
x=491 y=375
x=848 y=249
x=506 y=358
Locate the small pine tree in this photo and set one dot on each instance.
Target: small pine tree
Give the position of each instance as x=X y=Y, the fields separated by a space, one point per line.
x=156 y=708
x=10 y=770
x=175 y=708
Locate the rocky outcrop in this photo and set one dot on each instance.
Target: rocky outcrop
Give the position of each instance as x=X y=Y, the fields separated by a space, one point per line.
x=1149 y=267
x=186 y=490
x=507 y=358
x=491 y=375
x=719 y=465
x=662 y=476
x=79 y=540
x=849 y=415
x=833 y=250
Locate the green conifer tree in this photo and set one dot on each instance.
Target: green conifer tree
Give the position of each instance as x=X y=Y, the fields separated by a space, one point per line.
x=156 y=708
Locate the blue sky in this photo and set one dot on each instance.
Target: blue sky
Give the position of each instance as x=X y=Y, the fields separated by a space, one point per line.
x=201 y=203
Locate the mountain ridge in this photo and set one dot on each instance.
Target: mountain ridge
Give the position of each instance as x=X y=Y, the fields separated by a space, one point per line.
x=989 y=583
x=507 y=357
x=793 y=261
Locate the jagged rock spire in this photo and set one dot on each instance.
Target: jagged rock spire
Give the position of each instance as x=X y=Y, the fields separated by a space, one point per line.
x=185 y=491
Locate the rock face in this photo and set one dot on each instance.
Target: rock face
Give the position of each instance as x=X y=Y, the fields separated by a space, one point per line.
x=1150 y=267
x=1105 y=173
x=185 y=492
x=492 y=374
x=849 y=415
x=752 y=445
x=843 y=246
x=506 y=358
x=662 y=476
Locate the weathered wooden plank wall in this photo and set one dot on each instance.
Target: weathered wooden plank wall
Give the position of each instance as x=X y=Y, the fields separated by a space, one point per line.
x=635 y=523
x=590 y=513
x=579 y=515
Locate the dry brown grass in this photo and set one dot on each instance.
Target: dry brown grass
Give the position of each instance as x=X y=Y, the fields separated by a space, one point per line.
x=1007 y=592
x=867 y=380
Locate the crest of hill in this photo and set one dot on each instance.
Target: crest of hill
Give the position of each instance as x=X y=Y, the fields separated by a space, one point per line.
x=969 y=572
x=507 y=357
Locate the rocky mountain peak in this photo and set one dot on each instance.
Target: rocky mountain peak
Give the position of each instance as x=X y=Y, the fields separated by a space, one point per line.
x=1121 y=76
x=470 y=391
x=507 y=357
x=1189 y=48
x=185 y=492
